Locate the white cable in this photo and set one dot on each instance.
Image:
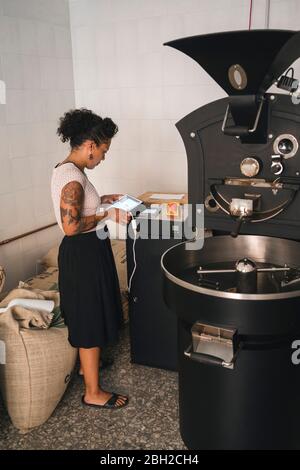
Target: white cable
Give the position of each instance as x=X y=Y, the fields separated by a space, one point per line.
x=134 y=269
x=134 y=227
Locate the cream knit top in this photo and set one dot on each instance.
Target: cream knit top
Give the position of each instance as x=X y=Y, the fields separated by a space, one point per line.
x=64 y=174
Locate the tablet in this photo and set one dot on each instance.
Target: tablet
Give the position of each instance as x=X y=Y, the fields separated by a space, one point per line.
x=126 y=203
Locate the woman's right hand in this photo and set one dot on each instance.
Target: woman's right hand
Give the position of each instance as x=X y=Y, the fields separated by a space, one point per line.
x=119 y=216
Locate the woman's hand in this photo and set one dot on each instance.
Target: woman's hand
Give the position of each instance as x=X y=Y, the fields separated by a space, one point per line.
x=110 y=198
x=119 y=216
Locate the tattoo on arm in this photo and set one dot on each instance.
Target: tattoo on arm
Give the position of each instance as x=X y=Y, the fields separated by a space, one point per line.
x=72 y=194
x=71 y=201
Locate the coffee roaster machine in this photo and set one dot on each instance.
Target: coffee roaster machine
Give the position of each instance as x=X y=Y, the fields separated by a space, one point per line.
x=237 y=299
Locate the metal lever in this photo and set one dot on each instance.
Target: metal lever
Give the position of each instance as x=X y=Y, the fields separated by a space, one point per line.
x=240 y=130
x=237 y=229
x=242 y=209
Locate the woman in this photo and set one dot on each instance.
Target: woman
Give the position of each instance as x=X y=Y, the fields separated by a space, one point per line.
x=88 y=283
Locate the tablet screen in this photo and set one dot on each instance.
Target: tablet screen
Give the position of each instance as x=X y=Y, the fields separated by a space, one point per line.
x=126 y=203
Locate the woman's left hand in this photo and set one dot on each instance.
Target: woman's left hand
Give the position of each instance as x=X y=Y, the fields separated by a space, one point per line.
x=110 y=198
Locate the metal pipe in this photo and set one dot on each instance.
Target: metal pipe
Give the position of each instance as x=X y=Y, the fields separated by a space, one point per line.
x=9 y=240
x=267 y=16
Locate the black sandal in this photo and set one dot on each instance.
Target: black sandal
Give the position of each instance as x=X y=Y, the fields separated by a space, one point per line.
x=110 y=404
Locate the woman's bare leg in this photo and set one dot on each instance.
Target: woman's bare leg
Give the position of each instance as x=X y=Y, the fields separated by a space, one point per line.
x=89 y=360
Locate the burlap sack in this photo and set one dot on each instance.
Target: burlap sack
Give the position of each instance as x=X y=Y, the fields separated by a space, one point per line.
x=45 y=280
x=38 y=363
x=37 y=369
x=119 y=251
x=2 y=278
x=51 y=258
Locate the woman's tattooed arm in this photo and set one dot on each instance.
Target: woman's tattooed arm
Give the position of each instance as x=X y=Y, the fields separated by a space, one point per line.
x=71 y=202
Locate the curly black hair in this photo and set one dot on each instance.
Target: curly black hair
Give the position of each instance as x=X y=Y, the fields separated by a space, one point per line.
x=78 y=125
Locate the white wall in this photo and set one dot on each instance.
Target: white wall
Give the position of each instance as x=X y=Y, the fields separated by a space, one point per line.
x=285 y=14
x=122 y=69
x=36 y=65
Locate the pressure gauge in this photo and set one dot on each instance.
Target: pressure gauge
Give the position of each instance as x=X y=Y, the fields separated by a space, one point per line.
x=250 y=167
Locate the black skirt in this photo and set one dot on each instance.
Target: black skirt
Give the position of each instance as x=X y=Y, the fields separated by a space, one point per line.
x=90 y=298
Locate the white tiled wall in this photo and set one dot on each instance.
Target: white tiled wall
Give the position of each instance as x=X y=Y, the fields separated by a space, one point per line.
x=122 y=69
x=286 y=15
x=36 y=65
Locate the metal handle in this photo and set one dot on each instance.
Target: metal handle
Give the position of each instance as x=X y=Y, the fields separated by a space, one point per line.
x=207 y=359
x=241 y=130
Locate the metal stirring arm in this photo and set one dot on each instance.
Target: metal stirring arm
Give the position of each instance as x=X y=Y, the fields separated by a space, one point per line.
x=246 y=275
x=227 y=271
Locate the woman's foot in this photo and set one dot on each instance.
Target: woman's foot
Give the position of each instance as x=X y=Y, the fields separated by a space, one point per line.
x=105 y=400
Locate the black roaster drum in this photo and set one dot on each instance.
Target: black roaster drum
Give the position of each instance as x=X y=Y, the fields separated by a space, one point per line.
x=255 y=403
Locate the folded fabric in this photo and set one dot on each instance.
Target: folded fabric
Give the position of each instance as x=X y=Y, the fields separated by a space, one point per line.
x=23 y=292
x=57 y=320
x=36 y=304
x=35 y=309
x=28 y=318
